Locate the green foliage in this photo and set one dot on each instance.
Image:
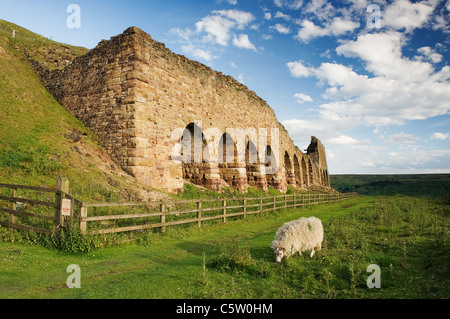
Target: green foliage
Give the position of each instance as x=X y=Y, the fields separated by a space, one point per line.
x=237 y=259
x=72 y=242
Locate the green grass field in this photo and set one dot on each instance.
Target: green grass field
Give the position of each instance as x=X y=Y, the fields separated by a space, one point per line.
x=407 y=237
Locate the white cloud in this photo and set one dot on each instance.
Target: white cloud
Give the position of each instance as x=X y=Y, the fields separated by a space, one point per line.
x=328 y=132
x=301 y=98
x=291 y=4
x=233 y=65
x=413 y=160
x=337 y=26
x=344 y=140
x=282 y=16
x=185 y=34
x=281 y=28
x=242 y=18
x=430 y=54
x=278 y=3
x=217 y=28
x=298 y=70
x=309 y=31
x=243 y=42
x=401 y=138
x=220 y=23
x=267 y=15
x=232 y=2
x=400 y=88
x=326 y=54
x=403 y=14
x=198 y=53
x=322 y=9
x=439 y=136
x=383 y=54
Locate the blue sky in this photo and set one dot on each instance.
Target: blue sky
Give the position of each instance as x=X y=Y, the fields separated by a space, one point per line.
x=371 y=79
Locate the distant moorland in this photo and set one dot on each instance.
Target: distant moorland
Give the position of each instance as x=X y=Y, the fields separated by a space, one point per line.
x=424 y=185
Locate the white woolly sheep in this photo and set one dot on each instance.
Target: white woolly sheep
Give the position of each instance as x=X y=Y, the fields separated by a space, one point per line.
x=298 y=236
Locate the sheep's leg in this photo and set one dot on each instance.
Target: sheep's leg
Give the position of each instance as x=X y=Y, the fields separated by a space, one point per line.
x=312 y=252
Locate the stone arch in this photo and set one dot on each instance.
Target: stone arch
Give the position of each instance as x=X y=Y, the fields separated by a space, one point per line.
x=256 y=176
x=251 y=153
x=311 y=172
x=192 y=144
x=290 y=176
x=195 y=168
x=271 y=167
x=227 y=150
x=325 y=178
x=305 y=172
x=231 y=171
x=297 y=171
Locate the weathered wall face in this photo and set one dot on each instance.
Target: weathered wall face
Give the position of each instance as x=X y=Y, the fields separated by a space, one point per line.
x=97 y=89
x=139 y=98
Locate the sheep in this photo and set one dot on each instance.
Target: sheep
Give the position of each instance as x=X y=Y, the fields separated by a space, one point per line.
x=298 y=236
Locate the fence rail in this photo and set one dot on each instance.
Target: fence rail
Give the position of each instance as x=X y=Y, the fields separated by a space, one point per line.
x=221 y=206
x=54 y=214
x=150 y=214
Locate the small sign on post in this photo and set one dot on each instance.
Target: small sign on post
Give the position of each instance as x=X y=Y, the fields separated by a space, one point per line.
x=66 y=207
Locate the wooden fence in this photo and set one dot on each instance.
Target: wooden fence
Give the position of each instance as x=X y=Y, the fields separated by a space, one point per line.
x=53 y=213
x=107 y=218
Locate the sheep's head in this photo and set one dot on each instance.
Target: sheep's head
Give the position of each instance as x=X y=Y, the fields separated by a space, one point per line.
x=279 y=253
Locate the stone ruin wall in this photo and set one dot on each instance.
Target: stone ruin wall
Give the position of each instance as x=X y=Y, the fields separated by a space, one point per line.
x=133 y=93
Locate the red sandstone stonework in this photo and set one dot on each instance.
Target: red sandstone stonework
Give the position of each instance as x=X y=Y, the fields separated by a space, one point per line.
x=134 y=94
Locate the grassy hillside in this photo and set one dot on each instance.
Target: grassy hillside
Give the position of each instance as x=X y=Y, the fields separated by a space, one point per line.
x=425 y=185
x=40 y=140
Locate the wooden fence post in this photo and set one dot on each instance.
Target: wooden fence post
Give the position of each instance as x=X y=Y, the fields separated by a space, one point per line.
x=245 y=208
x=63 y=187
x=199 y=213
x=12 y=217
x=224 y=211
x=260 y=205
x=163 y=218
x=83 y=224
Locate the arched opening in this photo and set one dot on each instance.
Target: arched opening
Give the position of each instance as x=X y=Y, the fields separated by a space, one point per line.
x=227 y=150
x=231 y=171
x=297 y=171
x=290 y=177
x=325 y=178
x=195 y=169
x=271 y=167
x=192 y=145
x=251 y=163
x=311 y=172
x=305 y=171
x=251 y=154
x=255 y=170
